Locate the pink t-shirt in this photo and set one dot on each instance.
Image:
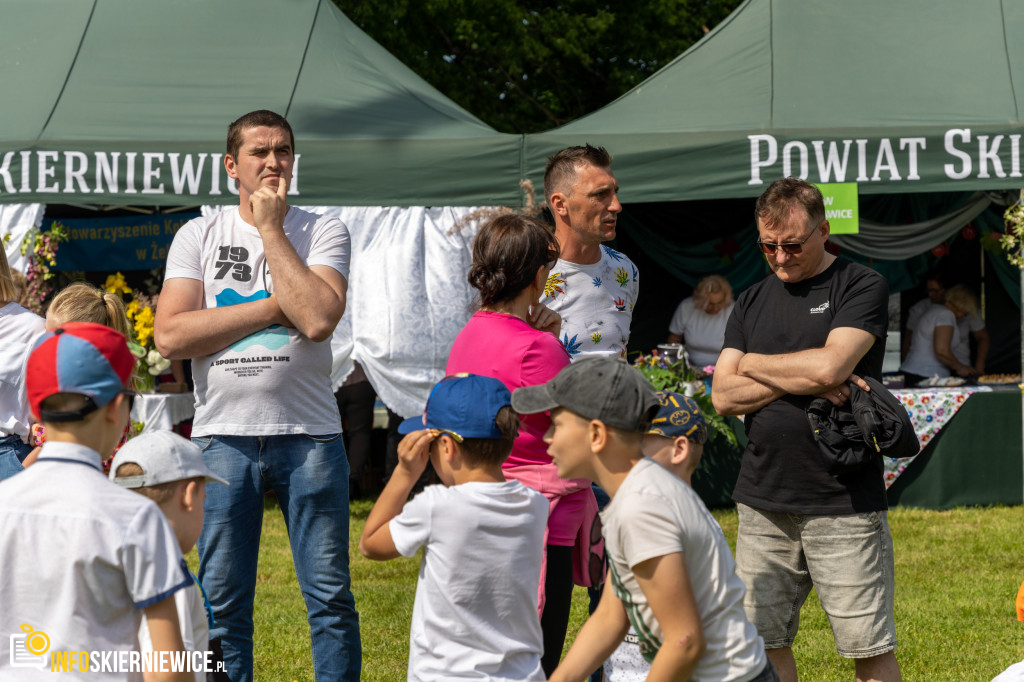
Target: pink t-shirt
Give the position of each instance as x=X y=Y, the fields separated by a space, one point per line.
x=507 y=348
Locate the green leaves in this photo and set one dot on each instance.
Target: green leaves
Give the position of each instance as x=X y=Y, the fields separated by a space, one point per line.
x=526 y=67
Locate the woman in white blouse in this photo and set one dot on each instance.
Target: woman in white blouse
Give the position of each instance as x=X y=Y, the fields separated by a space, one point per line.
x=935 y=337
x=699 y=321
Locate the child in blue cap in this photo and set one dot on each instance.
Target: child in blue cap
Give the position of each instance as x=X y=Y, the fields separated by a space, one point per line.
x=475 y=614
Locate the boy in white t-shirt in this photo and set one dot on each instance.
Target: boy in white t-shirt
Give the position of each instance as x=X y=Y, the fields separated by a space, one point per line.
x=675 y=440
x=475 y=614
x=169 y=470
x=672 y=574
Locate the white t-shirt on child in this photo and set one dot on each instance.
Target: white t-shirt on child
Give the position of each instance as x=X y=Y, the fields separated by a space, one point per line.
x=655 y=513
x=475 y=614
x=21 y=329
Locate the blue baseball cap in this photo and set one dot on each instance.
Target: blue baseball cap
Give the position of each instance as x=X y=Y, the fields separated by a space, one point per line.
x=678 y=416
x=463 y=406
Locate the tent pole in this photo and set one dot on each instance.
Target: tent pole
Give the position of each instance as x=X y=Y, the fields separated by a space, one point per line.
x=1021 y=270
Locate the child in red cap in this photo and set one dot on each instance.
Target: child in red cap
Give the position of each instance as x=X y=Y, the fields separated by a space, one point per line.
x=82 y=559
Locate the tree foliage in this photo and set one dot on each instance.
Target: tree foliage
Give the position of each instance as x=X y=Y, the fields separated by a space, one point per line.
x=526 y=66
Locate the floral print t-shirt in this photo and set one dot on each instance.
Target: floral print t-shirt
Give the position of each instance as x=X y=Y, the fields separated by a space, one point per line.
x=595 y=302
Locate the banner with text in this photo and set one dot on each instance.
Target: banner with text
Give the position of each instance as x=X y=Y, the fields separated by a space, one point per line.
x=125 y=243
x=841 y=203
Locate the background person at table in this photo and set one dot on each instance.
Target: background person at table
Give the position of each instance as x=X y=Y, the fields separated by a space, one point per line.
x=512 y=257
x=933 y=350
x=937 y=282
x=19 y=328
x=592 y=286
x=253 y=294
x=815 y=325
x=699 y=321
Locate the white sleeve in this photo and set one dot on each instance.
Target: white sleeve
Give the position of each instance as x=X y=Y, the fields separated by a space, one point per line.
x=975 y=323
x=648 y=529
x=331 y=245
x=410 y=530
x=914 y=315
x=153 y=566
x=184 y=259
x=678 y=323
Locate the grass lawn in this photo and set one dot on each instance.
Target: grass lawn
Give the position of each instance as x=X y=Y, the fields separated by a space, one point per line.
x=957 y=573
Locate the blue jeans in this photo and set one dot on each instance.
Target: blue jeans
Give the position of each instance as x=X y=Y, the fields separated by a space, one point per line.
x=309 y=475
x=12 y=451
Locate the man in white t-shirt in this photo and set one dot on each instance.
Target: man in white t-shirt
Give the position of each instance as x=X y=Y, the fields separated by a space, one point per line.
x=253 y=295
x=592 y=286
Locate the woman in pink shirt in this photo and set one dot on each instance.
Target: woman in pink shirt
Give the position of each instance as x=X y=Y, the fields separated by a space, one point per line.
x=513 y=339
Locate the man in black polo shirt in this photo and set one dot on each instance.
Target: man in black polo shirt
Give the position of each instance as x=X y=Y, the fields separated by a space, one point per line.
x=818 y=323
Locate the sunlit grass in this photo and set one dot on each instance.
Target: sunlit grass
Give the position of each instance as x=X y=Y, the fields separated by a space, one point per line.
x=957 y=573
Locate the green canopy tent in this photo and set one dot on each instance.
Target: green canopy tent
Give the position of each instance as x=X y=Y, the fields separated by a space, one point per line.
x=125 y=102
x=913 y=96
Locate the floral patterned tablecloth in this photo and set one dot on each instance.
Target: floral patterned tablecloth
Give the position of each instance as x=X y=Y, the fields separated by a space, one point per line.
x=929 y=409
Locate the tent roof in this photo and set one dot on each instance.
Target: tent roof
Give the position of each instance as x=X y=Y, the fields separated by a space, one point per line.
x=119 y=79
x=916 y=94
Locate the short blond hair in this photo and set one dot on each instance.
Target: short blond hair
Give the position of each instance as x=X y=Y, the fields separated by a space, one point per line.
x=962 y=298
x=712 y=284
x=82 y=302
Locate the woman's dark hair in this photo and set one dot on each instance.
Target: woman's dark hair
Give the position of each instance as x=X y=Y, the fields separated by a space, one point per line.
x=507 y=254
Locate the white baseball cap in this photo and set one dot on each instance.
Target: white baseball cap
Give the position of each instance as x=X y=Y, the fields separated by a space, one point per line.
x=164 y=457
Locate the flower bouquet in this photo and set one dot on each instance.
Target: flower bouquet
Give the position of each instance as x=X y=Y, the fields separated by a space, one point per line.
x=666 y=373
x=140 y=314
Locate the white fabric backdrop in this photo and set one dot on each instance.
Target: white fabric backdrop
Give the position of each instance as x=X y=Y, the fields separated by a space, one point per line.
x=407 y=300
x=16 y=220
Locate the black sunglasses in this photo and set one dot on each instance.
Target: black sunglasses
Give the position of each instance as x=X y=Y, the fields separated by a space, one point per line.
x=791 y=248
x=131 y=398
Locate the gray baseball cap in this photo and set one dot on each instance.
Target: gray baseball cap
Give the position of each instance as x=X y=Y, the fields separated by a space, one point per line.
x=607 y=389
x=164 y=457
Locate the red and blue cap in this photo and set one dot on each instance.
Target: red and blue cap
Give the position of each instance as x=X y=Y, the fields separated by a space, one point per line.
x=78 y=357
x=463 y=406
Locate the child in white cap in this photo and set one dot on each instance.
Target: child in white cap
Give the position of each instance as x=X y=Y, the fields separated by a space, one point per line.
x=169 y=470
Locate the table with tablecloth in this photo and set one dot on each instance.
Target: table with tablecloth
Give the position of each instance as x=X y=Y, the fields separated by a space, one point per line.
x=162 y=411
x=930 y=409
x=972 y=454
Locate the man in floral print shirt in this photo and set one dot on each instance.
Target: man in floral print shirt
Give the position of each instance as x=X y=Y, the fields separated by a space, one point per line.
x=593 y=287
